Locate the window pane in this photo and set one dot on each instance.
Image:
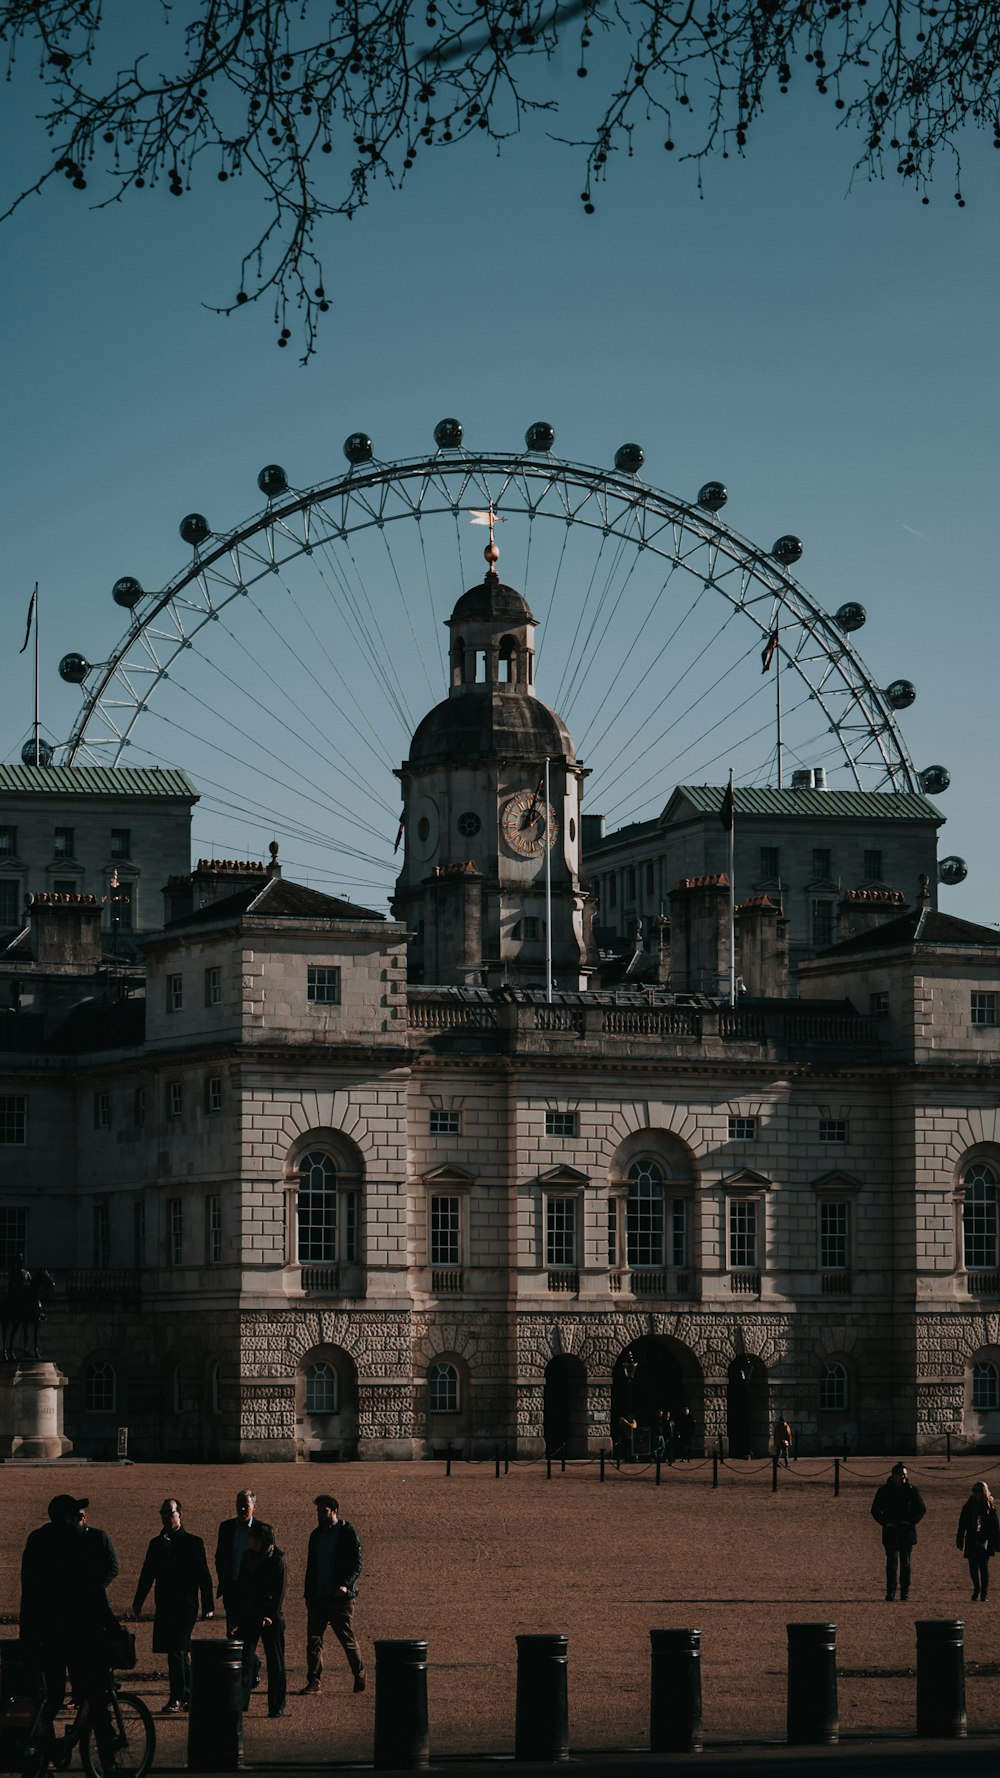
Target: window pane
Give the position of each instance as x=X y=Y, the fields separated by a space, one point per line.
x=560 y=1232
x=100 y=1389
x=984 y=1009
x=316 y=1211
x=833 y=1232
x=644 y=1214
x=833 y=1389
x=445 y=1250
x=679 y=1232
x=442 y=1389
x=321 y=1389
x=560 y=1123
x=743 y=1234
x=13 y=1119
x=822 y=922
x=985 y=1388
x=10 y=902
x=979 y=1218
x=13 y=1236
x=323 y=986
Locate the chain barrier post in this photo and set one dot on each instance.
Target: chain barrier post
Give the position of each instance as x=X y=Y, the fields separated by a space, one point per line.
x=496 y=1462
x=715 y=1472
x=541 y=1726
x=447 y=1460
x=675 y=1691
x=562 y=1461
x=941 y=1678
x=812 y=1719
x=506 y=1458
x=657 y=1472
x=774 y=1475
x=548 y=1466
x=401 y=1732
x=947 y=1443
x=836 y=1477
x=602 y=1463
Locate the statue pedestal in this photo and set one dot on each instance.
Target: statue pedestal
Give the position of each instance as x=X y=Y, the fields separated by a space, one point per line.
x=38 y=1412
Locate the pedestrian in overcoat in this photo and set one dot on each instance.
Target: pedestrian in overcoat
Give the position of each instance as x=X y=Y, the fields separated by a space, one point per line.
x=261 y=1596
x=898 y=1508
x=978 y=1537
x=177 y=1567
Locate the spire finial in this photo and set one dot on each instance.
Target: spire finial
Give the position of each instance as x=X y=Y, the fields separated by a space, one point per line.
x=491 y=517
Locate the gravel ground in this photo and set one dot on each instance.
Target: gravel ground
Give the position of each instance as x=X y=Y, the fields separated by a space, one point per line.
x=469 y=1562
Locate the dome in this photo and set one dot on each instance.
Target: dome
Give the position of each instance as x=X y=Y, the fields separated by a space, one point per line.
x=485 y=724
x=491 y=602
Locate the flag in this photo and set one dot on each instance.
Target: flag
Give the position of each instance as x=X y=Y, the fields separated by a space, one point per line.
x=31 y=612
x=479 y=517
x=767 y=652
x=402 y=820
x=728 y=809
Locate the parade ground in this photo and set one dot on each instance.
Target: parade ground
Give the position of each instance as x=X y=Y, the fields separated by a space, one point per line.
x=471 y=1560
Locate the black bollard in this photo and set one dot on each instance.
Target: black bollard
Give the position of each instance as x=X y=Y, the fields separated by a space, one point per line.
x=947 y=1445
x=562 y=1461
x=774 y=1475
x=506 y=1458
x=812 y=1685
x=602 y=1463
x=548 y=1466
x=497 y=1462
x=836 y=1477
x=401 y=1735
x=941 y=1677
x=657 y=1472
x=675 y=1691
x=215 y=1722
x=715 y=1472
x=541 y=1727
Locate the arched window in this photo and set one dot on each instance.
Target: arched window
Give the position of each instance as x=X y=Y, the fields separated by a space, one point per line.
x=326 y=1213
x=321 y=1389
x=985 y=1388
x=833 y=1388
x=100 y=1388
x=644 y=1215
x=979 y=1218
x=442 y=1389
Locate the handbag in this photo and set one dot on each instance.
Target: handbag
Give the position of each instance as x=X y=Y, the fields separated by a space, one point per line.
x=121 y=1648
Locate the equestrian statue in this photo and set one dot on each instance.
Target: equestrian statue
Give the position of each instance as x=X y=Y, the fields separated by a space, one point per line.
x=21 y=1311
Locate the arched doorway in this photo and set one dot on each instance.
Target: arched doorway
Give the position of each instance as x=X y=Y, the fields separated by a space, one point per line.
x=564 y=1407
x=747 y=1427
x=326 y=1406
x=654 y=1375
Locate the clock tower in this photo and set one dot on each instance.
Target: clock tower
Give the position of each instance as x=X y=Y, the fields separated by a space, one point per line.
x=492 y=798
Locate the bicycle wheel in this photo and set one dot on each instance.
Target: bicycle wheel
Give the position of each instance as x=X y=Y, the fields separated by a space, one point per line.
x=135 y=1734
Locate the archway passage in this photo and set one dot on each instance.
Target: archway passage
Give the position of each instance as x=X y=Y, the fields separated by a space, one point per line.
x=564 y=1407
x=747 y=1423
x=653 y=1375
x=326 y=1406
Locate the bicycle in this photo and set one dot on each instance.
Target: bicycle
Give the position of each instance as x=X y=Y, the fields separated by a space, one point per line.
x=133 y=1734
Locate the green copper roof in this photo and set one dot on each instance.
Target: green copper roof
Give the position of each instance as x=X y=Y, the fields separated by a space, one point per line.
x=95 y=781
x=859 y=805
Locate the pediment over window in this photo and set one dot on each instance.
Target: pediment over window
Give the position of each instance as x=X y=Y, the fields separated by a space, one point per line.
x=567 y=1177
x=836 y=1182
x=746 y=1180
x=448 y=1176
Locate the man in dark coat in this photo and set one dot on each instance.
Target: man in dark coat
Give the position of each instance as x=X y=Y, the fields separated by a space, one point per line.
x=230 y=1549
x=65 y=1617
x=333 y=1566
x=261 y=1617
x=175 y=1564
x=898 y=1508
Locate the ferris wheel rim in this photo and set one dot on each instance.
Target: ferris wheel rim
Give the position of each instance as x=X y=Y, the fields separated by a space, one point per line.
x=650 y=505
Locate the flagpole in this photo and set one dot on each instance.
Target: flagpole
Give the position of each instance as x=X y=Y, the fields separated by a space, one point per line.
x=777 y=693
x=732 y=894
x=548 y=891
x=37 y=723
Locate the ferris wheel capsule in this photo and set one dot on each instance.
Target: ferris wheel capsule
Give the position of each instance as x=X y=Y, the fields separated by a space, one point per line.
x=195 y=528
x=901 y=693
x=358 y=448
x=127 y=591
x=448 y=435
x=272 y=480
x=540 y=437
x=851 y=616
x=787 y=550
x=713 y=496
x=37 y=753
x=74 y=669
x=934 y=779
x=952 y=870
x=629 y=459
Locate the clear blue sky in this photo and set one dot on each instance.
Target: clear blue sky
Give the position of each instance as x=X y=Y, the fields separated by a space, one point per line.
x=831 y=357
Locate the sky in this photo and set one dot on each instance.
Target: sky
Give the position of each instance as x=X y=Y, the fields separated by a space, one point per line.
x=830 y=354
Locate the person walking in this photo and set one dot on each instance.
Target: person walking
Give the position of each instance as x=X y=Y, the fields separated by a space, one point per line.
x=978 y=1537
x=230 y=1549
x=176 y=1566
x=685 y=1434
x=261 y=1594
x=333 y=1566
x=782 y=1440
x=65 y=1616
x=898 y=1508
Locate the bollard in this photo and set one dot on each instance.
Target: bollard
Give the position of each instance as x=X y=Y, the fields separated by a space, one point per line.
x=562 y=1462
x=17 y=1683
x=602 y=1463
x=774 y=1475
x=401 y=1736
x=548 y=1466
x=506 y=1458
x=941 y=1677
x=836 y=1478
x=947 y=1445
x=497 y=1462
x=447 y=1462
x=715 y=1472
x=215 y=1722
x=541 y=1728
x=657 y=1472
x=812 y=1685
x=675 y=1691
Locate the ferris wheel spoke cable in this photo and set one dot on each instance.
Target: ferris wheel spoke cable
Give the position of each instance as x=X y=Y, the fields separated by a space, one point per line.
x=372 y=741
x=557 y=701
x=640 y=632
x=553 y=595
x=432 y=689
x=598 y=642
x=430 y=598
x=579 y=670
x=674 y=764
x=326 y=551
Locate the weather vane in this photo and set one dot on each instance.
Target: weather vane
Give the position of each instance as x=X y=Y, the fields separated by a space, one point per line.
x=489 y=517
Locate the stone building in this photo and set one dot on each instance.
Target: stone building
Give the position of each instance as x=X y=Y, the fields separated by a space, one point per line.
x=301 y=1206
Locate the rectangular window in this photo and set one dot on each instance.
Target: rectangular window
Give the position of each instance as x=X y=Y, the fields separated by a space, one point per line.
x=175 y=1098
x=323 y=986
x=743 y=1234
x=102 y=1237
x=873 y=867
x=13 y=1119
x=833 y=1129
x=65 y=886
x=13 y=1236
x=213 y=1230
x=62 y=844
x=644 y=1215
x=8 y=842
x=175 y=993
x=445 y=1123
x=532 y=928
x=102 y=1111
x=213 y=987
x=560 y=1232
x=445 y=1231
x=834 y=1230
x=138 y=1234
x=10 y=901
x=139 y=1107
x=121 y=842
x=984 y=1009
x=213 y=1093
x=770 y=861
x=679 y=1233
x=821 y=861
x=175 y=1231
x=561 y=1123
x=742 y=1129
x=878 y=1005
x=822 y=923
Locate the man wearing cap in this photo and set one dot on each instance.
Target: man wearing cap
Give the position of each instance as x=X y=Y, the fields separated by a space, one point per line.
x=65 y=1614
x=230 y=1549
x=898 y=1508
x=175 y=1563
x=333 y=1567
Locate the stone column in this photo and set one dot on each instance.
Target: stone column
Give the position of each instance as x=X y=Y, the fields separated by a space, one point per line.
x=38 y=1411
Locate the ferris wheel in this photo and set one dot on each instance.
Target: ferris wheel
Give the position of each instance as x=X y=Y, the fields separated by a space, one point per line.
x=287 y=663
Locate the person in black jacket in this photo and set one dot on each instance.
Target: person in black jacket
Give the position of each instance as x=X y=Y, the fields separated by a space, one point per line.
x=333 y=1565
x=175 y=1564
x=65 y=1617
x=898 y=1508
x=978 y=1537
x=230 y=1549
x=261 y=1595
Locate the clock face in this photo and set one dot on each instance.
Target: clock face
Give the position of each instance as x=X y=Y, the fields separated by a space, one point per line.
x=525 y=820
